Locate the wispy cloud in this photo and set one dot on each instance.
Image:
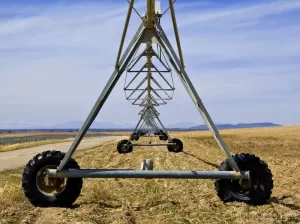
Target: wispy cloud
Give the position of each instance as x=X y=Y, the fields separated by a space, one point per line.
x=55 y=60
x=241 y=14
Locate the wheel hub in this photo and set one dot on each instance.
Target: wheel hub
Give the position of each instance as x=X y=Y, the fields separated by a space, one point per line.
x=245 y=184
x=175 y=146
x=49 y=185
x=125 y=147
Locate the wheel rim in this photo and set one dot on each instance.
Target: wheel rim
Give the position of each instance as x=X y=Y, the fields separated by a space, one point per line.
x=242 y=190
x=175 y=147
x=125 y=147
x=50 y=186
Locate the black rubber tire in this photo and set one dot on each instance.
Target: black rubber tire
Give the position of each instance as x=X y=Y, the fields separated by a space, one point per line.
x=136 y=137
x=261 y=186
x=120 y=148
x=29 y=183
x=163 y=137
x=141 y=133
x=132 y=137
x=177 y=148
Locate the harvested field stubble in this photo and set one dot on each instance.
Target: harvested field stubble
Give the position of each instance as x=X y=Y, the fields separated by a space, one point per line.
x=171 y=201
x=15 y=141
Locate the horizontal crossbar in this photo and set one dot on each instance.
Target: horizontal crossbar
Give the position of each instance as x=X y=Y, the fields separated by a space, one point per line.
x=147 y=71
x=158 y=144
x=169 y=174
x=151 y=89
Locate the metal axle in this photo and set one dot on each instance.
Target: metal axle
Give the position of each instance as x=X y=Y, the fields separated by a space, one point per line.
x=158 y=144
x=150 y=32
x=174 y=174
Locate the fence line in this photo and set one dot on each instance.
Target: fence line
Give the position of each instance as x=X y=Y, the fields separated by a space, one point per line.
x=35 y=138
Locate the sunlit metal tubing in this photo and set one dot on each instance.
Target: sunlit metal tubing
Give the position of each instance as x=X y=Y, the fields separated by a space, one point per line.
x=166 y=174
x=147 y=71
x=167 y=9
x=150 y=13
x=148 y=124
x=149 y=74
x=154 y=144
x=176 y=34
x=163 y=40
x=127 y=56
x=140 y=100
x=177 y=64
x=124 y=32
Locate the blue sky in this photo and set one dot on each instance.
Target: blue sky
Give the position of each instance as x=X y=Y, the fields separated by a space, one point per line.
x=242 y=56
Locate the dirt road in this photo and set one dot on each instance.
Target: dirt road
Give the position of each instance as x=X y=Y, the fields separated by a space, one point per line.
x=18 y=158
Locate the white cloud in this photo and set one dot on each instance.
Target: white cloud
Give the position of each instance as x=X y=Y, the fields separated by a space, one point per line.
x=241 y=14
x=55 y=60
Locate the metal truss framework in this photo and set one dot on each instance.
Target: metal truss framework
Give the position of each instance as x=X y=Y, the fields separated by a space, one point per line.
x=149 y=33
x=150 y=125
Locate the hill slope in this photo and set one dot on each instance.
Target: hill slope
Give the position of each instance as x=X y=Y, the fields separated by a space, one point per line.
x=237 y=126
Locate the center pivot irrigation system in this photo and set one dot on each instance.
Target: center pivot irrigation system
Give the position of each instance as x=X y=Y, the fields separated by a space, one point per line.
x=53 y=178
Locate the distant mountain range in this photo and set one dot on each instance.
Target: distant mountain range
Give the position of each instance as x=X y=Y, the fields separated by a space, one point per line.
x=95 y=125
x=236 y=126
x=109 y=125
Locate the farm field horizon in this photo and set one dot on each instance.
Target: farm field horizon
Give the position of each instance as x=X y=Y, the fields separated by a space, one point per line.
x=21 y=140
x=11 y=140
x=149 y=111
x=171 y=201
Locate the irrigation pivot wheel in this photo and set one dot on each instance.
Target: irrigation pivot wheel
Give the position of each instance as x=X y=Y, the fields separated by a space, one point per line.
x=53 y=178
x=124 y=146
x=134 y=137
x=163 y=137
x=142 y=133
x=255 y=191
x=44 y=191
x=178 y=147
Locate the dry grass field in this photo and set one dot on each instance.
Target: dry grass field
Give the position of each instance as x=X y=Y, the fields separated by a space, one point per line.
x=23 y=134
x=6 y=148
x=66 y=136
x=171 y=201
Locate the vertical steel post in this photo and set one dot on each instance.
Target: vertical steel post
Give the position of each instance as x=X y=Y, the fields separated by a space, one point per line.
x=176 y=34
x=122 y=64
x=149 y=75
x=150 y=13
x=124 y=32
x=136 y=127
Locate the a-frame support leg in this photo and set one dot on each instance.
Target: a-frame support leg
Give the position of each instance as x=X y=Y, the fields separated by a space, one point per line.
x=165 y=43
x=125 y=60
x=138 y=124
x=161 y=124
